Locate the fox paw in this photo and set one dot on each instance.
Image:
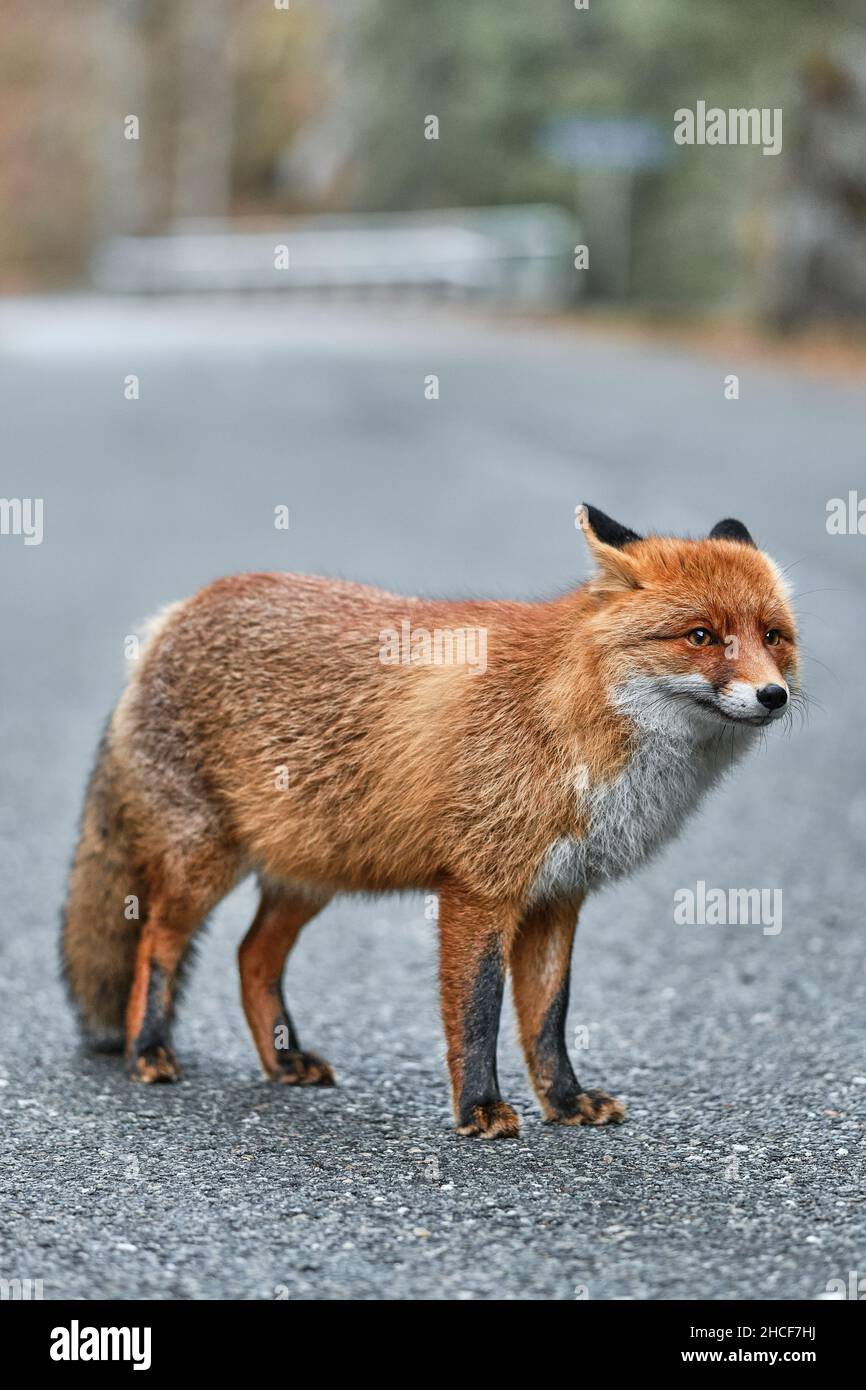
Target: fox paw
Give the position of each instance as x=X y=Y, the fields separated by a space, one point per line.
x=491 y=1120
x=302 y=1069
x=589 y=1108
x=154 y=1064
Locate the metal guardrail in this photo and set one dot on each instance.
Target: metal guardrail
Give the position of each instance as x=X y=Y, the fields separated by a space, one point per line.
x=519 y=257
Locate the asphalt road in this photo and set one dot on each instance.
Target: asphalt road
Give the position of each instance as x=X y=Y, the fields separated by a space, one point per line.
x=740 y=1054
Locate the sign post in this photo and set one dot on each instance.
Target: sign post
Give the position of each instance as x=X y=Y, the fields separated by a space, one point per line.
x=610 y=144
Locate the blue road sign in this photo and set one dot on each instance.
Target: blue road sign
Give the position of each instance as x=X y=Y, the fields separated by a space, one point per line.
x=606 y=142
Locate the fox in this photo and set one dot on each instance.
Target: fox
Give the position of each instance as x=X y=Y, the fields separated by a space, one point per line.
x=270 y=727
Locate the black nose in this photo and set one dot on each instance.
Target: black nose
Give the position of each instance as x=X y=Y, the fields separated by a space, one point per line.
x=773 y=696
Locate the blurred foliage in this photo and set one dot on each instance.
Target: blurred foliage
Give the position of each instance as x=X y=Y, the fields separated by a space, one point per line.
x=323 y=106
x=280 y=85
x=494 y=74
x=44 y=186
x=69 y=76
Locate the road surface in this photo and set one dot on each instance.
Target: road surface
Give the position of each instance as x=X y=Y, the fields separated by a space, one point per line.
x=741 y=1055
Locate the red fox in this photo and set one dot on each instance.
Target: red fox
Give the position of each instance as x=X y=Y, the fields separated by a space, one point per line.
x=274 y=725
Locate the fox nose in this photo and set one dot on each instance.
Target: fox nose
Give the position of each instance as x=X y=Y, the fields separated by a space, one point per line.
x=772 y=696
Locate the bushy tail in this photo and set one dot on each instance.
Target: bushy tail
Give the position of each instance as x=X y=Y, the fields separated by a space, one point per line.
x=104 y=908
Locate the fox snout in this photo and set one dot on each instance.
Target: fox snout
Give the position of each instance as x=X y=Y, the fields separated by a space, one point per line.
x=772 y=697
x=753 y=700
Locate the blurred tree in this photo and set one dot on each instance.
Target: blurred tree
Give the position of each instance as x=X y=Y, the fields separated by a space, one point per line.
x=46 y=127
x=204 y=130
x=287 y=81
x=246 y=108
x=496 y=74
x=220 y=89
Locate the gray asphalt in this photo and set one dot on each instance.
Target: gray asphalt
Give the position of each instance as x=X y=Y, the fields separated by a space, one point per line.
x=740 y=1055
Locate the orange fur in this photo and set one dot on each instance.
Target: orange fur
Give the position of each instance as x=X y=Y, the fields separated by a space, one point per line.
x=261 y=732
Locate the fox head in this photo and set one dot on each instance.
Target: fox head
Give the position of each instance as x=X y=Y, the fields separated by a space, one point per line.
x=701 y=628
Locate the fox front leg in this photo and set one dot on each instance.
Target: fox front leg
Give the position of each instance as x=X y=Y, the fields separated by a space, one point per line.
x=540 y=964
x=474 y=938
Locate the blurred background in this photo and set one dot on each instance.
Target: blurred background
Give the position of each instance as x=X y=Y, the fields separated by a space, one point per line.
x=311 y=119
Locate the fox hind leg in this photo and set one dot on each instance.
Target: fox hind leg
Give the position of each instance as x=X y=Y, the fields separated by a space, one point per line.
x=162 y=949
x=261 y=958
x=540 y=963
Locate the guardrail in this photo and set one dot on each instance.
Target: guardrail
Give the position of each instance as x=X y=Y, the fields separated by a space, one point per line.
x=518 y=257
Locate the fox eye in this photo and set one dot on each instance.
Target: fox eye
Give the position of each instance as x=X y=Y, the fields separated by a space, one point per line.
x=772 y=637
x=700 y=637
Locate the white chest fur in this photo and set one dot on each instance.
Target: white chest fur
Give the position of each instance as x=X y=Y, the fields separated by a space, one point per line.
x=674 y=762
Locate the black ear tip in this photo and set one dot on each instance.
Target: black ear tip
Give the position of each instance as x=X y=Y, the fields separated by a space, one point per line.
x=608 y=530
x=731 y=530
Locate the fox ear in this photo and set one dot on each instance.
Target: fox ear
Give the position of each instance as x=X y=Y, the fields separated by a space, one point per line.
x=608 y=544
x=731 y=530
x=605 y=529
